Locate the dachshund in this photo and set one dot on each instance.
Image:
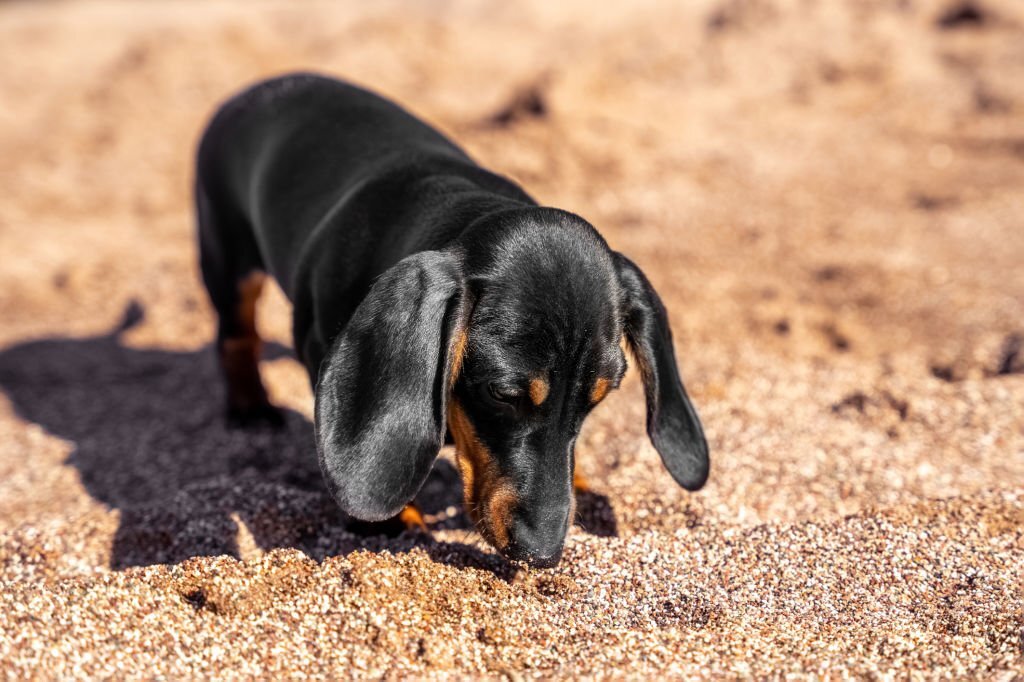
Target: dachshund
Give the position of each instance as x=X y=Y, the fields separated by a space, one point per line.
x=432 y=299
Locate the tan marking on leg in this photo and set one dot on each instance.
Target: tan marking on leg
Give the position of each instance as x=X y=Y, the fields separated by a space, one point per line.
x=600 y=390
x=239 y=359
x=488 y=498
x=412 y=517
x=539 y=388
x=240 y=354
x=580 y=483
x=249 y=290
x=458 y=355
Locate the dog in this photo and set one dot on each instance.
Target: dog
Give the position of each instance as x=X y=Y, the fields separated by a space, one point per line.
x=431 y=297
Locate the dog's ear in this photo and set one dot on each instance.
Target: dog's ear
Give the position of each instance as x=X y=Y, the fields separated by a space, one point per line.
x=672 y=423
x=382 y=392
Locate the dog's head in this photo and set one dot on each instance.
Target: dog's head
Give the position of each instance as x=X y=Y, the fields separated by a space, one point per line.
x=509 y=339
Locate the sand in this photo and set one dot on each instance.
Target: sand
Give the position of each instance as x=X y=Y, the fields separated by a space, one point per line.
x=829 y=197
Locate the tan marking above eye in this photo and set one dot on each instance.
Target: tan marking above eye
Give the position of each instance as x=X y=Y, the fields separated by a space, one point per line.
x=539 y=388
x=600 y=390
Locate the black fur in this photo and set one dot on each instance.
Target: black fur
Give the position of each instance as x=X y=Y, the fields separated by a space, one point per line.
x=390 y=241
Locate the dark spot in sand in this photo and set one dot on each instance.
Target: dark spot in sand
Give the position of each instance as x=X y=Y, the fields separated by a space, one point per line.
x=989 y=102
x=829 y=273
x=739 y=14
x=856 y=400
x=901 y=406
x=859 y=402
x=199 y=601
x=1011 y=361
x=718 y=20
x=529 y=102
x=831 y=72
x=931 y=202
x=963 y=15
x=836 y=338
x=944 y=372
x=132 y=316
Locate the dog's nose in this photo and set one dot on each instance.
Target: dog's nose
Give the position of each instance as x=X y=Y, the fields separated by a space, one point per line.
x=538 y=539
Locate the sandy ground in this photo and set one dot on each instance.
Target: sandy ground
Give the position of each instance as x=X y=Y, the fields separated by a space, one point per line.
x=829 y=197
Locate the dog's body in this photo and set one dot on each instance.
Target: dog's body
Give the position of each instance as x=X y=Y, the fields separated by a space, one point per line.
x=428 y=292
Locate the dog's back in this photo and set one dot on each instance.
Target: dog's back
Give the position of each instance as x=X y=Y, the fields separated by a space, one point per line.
x=288 y=150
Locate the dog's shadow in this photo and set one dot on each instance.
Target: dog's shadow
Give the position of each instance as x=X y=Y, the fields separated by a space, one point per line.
x=150 y=440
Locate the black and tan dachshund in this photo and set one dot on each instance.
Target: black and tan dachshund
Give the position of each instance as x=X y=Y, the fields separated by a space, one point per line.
x=431 y=297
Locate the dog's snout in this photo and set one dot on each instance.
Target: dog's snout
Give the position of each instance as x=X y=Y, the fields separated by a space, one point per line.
x=537 y=537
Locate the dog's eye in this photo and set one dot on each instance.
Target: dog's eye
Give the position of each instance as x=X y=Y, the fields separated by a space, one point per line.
x=504 y=394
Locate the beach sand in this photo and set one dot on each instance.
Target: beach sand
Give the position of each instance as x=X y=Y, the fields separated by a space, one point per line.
x=829 y=197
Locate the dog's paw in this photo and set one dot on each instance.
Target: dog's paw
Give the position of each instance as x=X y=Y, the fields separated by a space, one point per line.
x=410 y=520
x=263 y=415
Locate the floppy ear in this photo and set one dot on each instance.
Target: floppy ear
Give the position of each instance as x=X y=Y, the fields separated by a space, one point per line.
x=383 y=386
x=672 y=423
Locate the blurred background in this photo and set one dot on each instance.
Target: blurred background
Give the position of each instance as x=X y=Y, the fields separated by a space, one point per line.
x=829 y=196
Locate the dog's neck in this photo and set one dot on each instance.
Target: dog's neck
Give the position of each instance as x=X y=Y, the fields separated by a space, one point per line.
x=453 y=203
